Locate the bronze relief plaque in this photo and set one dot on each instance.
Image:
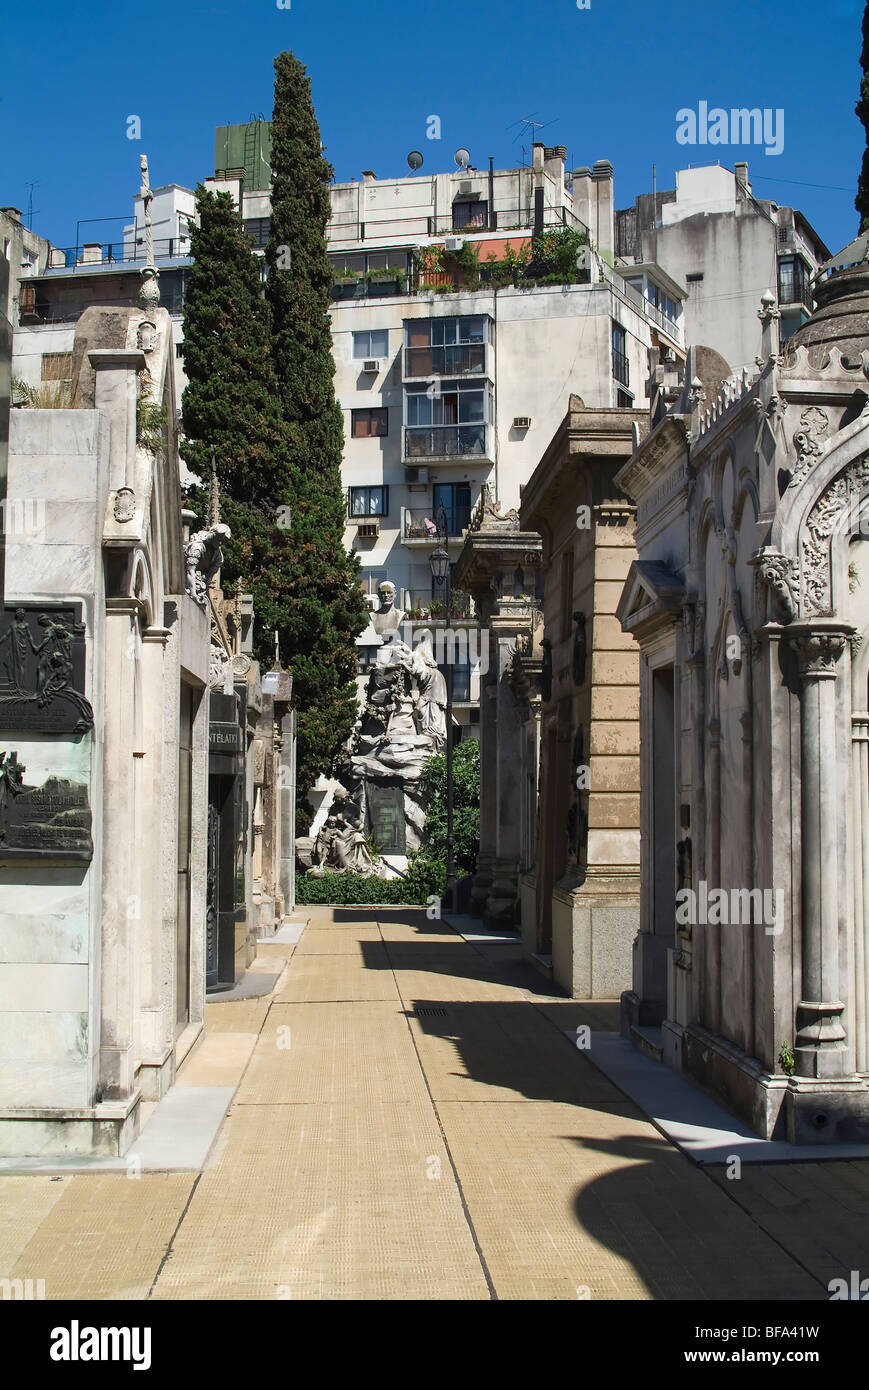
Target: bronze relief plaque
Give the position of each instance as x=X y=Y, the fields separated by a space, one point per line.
x=42 y=669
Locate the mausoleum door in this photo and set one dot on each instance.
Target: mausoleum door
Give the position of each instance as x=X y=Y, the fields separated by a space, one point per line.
x=185 y=791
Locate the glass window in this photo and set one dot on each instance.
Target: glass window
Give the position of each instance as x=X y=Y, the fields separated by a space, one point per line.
x=470 y=214
x=367 y=424
x=367 y=501
x=372 y=343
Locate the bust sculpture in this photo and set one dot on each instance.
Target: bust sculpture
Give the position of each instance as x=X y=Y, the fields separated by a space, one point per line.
x=389 y=619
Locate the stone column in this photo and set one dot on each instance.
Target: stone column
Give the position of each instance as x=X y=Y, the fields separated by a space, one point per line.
x=819 y=1047
x=488 y=783
x=502 y=900
x=860 y=793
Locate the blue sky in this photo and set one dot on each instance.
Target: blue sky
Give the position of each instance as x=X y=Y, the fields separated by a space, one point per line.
x=607 y=81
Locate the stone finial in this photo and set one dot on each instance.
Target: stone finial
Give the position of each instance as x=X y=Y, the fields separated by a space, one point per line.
x=213 y=494
x=149 y=290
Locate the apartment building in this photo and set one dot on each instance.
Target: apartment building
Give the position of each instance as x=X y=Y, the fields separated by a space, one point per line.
x=727 y=247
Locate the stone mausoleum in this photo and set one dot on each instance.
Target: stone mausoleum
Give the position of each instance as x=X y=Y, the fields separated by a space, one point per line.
x=749 y=600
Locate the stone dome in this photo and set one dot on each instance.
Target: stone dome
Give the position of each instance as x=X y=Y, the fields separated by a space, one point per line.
x=842 y=314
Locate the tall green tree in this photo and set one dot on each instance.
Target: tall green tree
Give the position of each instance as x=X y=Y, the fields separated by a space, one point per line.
x=861 y=202
x=325 y=607
x=231 y=408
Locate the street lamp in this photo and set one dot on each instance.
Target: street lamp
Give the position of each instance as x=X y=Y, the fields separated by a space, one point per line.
x=439 y=560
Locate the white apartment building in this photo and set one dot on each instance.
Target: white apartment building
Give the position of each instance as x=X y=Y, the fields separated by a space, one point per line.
x=728 y=248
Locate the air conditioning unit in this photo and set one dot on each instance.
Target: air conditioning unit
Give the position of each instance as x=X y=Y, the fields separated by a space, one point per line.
x=371 y=364
x=454 y=243
x=521 y=422
x=416 y=477
x=368 y=530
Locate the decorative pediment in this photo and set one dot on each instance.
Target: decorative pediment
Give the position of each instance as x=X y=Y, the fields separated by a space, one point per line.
x=653 y=594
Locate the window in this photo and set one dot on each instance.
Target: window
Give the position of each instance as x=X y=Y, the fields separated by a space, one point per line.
x=474 y=328
x=474 y=213
x=461 y=682
x=695 y=278
x=57 y=366
x=369 y=580
x=620 y=355
x=179 y=350
x=368 y=424
x=793 y=281
x=372 y=343
x=625 y=400
x=257 y=228
x=662 y=301
x=446 y=347
x=455 y=498
x=367 y=501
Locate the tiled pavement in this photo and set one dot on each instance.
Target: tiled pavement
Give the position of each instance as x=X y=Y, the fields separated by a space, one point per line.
x=412 y=1123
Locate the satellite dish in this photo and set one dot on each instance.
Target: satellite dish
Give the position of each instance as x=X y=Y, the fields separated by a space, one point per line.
x=462 y=158
x=414 y=159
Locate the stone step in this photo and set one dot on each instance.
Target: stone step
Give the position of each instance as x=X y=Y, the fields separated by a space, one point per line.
x=648 y=1041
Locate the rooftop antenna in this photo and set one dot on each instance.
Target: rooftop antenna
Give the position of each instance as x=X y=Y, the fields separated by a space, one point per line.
x=31 y=186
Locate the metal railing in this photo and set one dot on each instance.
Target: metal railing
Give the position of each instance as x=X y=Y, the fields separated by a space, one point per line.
x=32 y=315
x=444 y=441
x=455 y=360
x=420 y=524
x=426 y=606
x=119 y=253
x=641 y=303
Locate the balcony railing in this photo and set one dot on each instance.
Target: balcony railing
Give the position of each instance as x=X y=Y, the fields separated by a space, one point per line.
x=444 y=441
x=621 y=367
x=639 y=301
x=427 y=607
x=420 y=525
x=84 y=256
x=455 y=360
x=35 y=313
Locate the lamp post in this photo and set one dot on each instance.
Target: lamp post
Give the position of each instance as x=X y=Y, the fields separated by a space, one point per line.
x=439 y=560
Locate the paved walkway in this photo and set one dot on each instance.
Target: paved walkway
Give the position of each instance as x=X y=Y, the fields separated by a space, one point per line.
x=411 y=1123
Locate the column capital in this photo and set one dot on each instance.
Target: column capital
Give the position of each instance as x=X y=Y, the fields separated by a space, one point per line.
x=818 y=647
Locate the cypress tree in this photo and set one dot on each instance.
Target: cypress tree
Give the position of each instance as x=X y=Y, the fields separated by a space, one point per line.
x=231 y=409
x=325 y=608
x=861 y=202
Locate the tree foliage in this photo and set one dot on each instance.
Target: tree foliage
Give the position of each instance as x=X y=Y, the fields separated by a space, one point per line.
x=325 y=609
x=231 y=408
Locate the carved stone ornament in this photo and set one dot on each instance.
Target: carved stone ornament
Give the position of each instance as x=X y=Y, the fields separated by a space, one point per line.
x=819 y=527
x=42 y=669
x=818 y=652
x=125 y=504
x=814 y=424
x=240 y=664
x=779 y=573
x=146 y=336
x=219 y=668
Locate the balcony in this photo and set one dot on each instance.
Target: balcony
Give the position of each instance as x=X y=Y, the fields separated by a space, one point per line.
x=422 y=607
x=445 y=442
x=419 y=525
x=456 y=360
